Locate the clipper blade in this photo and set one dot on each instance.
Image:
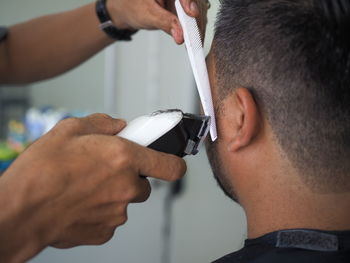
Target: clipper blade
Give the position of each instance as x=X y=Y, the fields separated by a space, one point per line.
x=195 y=52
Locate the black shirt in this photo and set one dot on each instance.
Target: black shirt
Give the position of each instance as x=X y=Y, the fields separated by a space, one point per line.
x=296 y=245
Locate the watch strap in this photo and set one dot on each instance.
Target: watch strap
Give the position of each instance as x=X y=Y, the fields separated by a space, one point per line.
x=107 y=25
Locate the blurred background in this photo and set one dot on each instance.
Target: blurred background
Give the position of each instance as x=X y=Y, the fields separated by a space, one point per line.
x=126 y=80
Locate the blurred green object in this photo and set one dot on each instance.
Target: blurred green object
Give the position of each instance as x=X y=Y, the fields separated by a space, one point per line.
x=6 y=153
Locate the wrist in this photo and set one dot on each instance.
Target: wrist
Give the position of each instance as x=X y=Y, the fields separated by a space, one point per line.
x=20 y=238
x=116 y=15
x=107 y=24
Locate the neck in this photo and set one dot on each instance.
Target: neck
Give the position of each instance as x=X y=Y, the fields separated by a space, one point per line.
x=275 y=197
x=288 y=208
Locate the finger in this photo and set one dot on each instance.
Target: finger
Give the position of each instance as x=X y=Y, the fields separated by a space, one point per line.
x=144 y=161
x=102 y=124
x=144 y=191
x=110 y=214
x=177 y=33
x=162 y=18
x=190 y=7
x=84 y=234
x=158 y=165
x=167 y=21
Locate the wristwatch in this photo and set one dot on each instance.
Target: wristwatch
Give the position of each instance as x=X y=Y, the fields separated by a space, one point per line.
x=107 y=24
x=3 y=33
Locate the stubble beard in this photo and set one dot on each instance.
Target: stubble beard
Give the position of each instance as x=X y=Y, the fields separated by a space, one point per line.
x=216 y=166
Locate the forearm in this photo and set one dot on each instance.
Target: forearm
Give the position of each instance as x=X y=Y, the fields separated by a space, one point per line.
x=50 y=45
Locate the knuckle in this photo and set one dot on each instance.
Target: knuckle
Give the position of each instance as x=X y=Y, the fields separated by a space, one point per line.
x=124 y=195
x=139 y=193
x=121 y=161
x=121 y=156
x=120 y=148
x=145 y=197
x=117 y=217
x=122 y=220
x=120 y=215
x=129 y=194
x=69 y=124
x=98 y=121
x=147 y=192
x=104 y=238
x=100 y=116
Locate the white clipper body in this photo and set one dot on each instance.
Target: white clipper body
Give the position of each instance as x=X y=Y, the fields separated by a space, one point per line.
x=170 y=131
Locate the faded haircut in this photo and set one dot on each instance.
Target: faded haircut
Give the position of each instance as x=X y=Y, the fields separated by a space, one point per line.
x=294 y=56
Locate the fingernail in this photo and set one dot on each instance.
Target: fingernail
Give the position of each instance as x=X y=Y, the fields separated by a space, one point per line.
x=194 y=7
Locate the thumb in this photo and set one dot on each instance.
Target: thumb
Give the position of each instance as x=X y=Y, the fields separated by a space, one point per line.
x=190 y=7
x=102 y=124
x=168 y=22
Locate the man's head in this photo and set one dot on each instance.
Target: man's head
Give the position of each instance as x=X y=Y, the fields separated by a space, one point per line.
x=280 y=74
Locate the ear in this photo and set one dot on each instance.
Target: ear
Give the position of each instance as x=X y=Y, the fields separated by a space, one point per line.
x=247 y=119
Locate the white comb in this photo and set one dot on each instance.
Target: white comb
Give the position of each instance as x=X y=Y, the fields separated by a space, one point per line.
x=195 y=52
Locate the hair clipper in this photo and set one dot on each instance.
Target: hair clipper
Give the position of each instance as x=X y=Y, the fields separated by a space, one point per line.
x=170 y=131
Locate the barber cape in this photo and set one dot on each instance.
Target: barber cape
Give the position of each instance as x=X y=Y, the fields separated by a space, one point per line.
x=295 y=245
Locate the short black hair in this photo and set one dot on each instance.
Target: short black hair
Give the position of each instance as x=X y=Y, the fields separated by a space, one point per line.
x=294 y=56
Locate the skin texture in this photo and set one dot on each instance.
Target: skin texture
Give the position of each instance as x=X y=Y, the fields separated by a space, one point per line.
x=48 y=39
x=72 y=187
x=252 y=169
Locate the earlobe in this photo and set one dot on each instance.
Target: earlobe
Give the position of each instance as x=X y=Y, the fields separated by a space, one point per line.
x=249 y=120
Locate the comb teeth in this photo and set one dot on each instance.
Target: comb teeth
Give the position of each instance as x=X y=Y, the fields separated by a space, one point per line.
x=195 y=52
x=195 y=41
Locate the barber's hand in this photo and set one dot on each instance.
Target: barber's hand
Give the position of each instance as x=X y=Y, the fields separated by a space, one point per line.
x=156 y=14
x=73 y=186
x=195 y=8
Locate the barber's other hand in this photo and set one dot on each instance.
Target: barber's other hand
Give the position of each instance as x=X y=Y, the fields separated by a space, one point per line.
x=155 y=14
x=73 y=186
